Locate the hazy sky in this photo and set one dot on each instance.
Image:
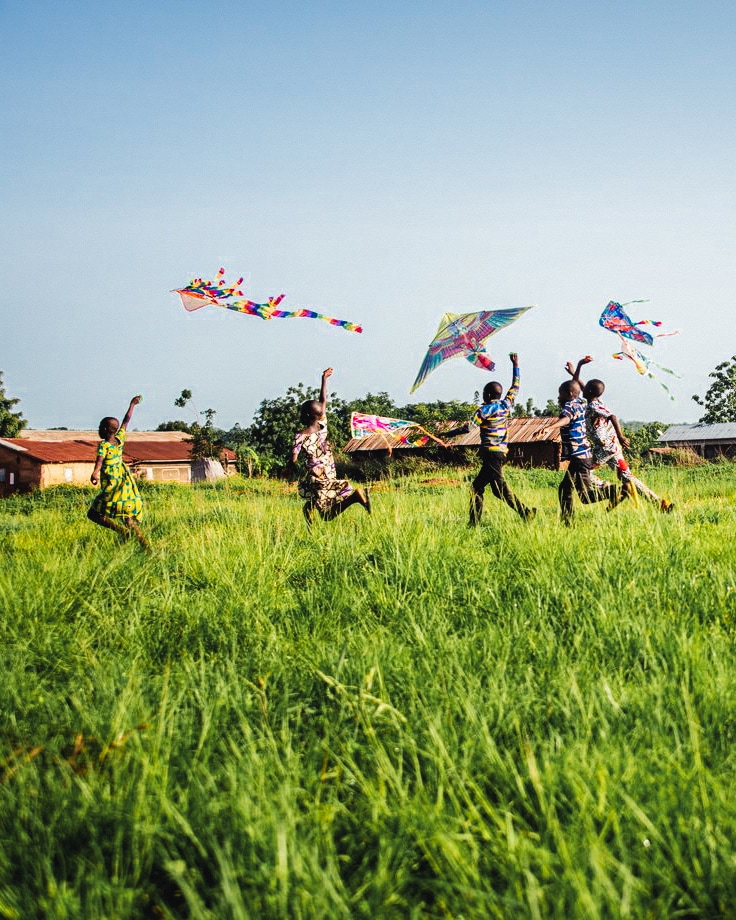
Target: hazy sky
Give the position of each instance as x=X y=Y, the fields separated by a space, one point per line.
x=383 y=162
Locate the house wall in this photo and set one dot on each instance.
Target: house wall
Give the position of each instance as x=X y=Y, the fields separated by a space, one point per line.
x=60 y=474
x=709 y=450
x=164 y=472
x=17 y=473
x=544 y=454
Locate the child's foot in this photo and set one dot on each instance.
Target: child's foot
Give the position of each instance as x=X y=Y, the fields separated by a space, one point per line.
x=529 y=514
x=367 y=501
x=666 y=507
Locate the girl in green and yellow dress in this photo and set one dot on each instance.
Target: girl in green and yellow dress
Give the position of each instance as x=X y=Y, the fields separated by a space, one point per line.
x=118 y=505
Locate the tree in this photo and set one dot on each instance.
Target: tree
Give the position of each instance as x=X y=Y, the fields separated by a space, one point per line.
x=174 y=425
x=720 y=400
x=206 y=440
x=10 y=422
x=277 y=421
x=643 y=437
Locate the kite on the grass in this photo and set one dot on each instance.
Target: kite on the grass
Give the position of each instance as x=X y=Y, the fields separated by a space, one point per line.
x=615 y=319
x=641 y=362
x=201 y=293
x=402 y=430
x=465 y=334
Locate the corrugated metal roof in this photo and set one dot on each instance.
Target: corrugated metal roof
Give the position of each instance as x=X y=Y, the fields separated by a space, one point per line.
x=724 y=431
x=520 y=431
x=55 y=434
x=84 y=451
x=53 y=451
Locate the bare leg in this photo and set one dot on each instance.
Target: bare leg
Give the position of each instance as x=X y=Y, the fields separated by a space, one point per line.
x=344 y=503
x=136 y=531
x=105 y=521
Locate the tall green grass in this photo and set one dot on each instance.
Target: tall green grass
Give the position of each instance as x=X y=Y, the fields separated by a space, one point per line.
x=388 y=716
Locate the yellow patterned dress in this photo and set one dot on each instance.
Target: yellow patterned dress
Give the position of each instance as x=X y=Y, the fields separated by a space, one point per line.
x=119 y=496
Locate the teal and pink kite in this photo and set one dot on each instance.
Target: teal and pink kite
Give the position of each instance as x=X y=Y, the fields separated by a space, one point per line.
x=201 y=293
x=465 y=334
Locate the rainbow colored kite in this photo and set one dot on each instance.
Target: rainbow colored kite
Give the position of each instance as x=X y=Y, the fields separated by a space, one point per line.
x=615 y=319
x=201 y=293
x=400 y=430
x=465 y=334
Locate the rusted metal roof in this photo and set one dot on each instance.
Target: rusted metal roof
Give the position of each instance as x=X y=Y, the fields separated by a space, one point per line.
x=63 y=434
x=136 y=450
x=53 y=451
x=520 y=431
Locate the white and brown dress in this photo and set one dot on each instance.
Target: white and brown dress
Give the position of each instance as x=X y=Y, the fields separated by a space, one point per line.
x=320 y=488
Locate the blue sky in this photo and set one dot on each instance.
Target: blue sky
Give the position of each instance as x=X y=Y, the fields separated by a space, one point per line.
x=381 y=162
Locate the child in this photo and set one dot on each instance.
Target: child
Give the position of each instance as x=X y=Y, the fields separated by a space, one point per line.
x=320 y=488
x=607 y=438
x=118 y=505
x=492 y=417
x=576 y=449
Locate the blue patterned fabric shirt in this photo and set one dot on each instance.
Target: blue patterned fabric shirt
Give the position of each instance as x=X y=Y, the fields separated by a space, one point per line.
x=492 y=419
x=574 y=435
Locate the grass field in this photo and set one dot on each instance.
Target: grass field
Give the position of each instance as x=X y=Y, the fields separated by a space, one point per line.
x=390 y=716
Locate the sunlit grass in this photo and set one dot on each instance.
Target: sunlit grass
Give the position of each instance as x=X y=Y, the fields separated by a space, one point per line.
x=387 y=716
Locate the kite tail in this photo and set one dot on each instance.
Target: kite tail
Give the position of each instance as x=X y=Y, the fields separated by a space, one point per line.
x=480 y=359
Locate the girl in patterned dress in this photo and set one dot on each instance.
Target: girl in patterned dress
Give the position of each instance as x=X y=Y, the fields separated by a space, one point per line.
x=118 y=505
x=320 y=488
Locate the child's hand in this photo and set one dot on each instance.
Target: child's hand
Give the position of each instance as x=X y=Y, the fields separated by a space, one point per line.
x=93 y=479
x=569 y=367
x=135 y=400
x=587 y=359
x=327 y=373
x=624 y=441
x=514 y=358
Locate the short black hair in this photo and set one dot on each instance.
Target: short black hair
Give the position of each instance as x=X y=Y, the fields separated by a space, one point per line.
x=567 y=388
x=492 y=390
x=308 y=411
x=594 y=388
x=105 y=424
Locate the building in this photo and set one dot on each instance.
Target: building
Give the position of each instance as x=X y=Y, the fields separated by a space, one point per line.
x=531 y=443
x=707 y=441
x=39 y=459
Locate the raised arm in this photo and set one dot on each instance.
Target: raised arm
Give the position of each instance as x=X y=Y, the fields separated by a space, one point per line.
x=515 y=379
x=129 y=414
x=574 y=372
x=323 y=389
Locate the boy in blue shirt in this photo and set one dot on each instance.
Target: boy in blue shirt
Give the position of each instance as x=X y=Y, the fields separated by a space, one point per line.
x=492 y=418
x=576 y=449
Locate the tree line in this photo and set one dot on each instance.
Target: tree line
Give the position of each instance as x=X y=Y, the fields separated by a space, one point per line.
x=266 y=442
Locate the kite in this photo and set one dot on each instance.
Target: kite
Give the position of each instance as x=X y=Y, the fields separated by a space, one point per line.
x=641 y=362
x=400 y=429
x=615 y=319
x=200 y=293
x=465 y=334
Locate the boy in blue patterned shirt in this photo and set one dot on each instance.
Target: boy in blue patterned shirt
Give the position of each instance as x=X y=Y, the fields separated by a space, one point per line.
x=492 y=418
x=576 y=449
